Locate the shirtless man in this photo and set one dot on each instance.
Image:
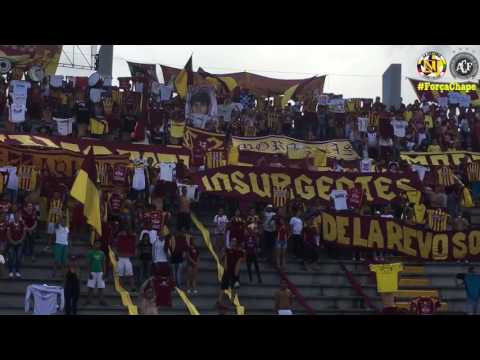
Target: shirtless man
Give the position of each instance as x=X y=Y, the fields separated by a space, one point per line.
x=183 y=220
x=283 y=300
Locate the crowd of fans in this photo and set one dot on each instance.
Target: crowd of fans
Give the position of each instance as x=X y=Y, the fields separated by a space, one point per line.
x=138 y=223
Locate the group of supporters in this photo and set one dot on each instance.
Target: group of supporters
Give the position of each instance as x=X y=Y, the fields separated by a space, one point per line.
x=139 y=201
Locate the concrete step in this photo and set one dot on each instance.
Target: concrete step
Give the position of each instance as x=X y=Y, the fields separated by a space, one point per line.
x=420 y=282
x=416 y=293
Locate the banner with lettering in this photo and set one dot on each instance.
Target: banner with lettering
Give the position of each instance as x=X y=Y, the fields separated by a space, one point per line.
x=278 y=144
x=258 y=184
x=375 y=233
x=446 y=90
x=55 y=162
x=206 y=140
x=157 y=153
x=441 y=158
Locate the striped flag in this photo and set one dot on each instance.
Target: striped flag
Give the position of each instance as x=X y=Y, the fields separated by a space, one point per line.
x=85 y=190
x=281 y=196
x=437 y=220
x=373 y=119
x=272 y=119
x=27 y=177
x=103 y=174
x=215 y=159
x=473 y=171
x=3 y=181
x=55 y=211
x=445 y=176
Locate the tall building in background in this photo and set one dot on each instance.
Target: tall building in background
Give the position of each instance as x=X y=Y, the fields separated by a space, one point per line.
x=392 y=86
x=105 y=60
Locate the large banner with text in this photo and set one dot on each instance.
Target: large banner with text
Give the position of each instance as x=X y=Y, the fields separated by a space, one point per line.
x=277 y=144
x=374 y=233
x=157 y=153
x=259 y=184
x=450 y=158
x=55 y=163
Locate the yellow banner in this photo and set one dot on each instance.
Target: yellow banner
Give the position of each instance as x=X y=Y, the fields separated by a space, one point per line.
x=441 y=158
x=338 y=149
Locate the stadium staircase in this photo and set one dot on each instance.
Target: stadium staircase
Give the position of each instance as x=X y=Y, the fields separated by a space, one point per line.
x=326 y=289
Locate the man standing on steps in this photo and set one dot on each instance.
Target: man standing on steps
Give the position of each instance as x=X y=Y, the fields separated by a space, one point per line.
x=471 y=280
x=269 y=232
x=183 y=219
x=283 y=300
x=232 y=259
x=96 y=265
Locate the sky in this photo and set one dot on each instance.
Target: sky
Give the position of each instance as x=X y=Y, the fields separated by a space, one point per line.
x=352 y=70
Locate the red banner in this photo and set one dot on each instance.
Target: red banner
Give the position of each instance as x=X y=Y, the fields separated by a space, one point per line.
x=254 y=184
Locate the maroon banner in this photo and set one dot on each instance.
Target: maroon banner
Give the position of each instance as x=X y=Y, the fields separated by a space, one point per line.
x=376 y=233
x=258 y=84
x=254 y=184
x=157 y=153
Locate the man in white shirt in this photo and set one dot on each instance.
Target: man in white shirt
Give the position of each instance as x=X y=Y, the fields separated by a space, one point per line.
x=12 y=185
x=296 y=228
x=339 y=198
x=269 y=232
x=399 y=125
x=60 y=250
x=167 y=171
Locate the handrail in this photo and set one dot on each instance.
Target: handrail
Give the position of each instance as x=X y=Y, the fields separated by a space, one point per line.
x=240 y=310
x=357 y=287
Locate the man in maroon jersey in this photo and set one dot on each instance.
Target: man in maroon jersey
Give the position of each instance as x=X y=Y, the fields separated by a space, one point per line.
x=16 y=236
x=236 y=229
x=179 y=247
x=355 y=197
x=198 y=156
x=125 y=249
x=251 y=245
x=29 y=216
x=115 y=204
x=158 y=219
x=121 y=176
x=232 y=259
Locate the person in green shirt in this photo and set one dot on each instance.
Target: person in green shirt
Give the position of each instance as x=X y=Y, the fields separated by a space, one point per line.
x=96 y=265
